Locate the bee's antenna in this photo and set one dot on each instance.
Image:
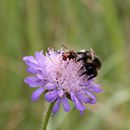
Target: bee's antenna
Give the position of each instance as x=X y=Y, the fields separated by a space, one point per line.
x=64 y=46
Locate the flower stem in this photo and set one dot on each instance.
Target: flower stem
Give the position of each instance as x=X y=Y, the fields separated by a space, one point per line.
x=47 y=116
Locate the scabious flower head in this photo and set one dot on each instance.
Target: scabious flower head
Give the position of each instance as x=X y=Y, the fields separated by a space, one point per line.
x=60 y=80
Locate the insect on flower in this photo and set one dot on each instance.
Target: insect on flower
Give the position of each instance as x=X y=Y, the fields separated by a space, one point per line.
x=59 y=75
x=91 y=63
x=69 y=54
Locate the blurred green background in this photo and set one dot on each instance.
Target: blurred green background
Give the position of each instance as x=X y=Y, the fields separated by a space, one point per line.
x=27 y=26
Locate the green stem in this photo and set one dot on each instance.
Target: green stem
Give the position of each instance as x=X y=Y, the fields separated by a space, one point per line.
x=47 y=116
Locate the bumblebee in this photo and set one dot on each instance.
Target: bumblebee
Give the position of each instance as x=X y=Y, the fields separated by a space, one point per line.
x=91 y=63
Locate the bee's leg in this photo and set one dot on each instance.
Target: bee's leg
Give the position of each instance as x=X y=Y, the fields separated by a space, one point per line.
x=84 y=73
x=90 y=71
x=93 y=74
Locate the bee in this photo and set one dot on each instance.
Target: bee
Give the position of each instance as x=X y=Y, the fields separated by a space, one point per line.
x=91 y=63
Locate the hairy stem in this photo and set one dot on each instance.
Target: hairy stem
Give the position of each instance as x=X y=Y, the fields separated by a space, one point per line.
x=47 y=116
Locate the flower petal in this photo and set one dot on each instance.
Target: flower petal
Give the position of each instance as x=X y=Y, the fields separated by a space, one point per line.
x=91 y=97
x=35 y=70
x=51 y=96
x=60 y=93
x=95 y=88
x=37 y=93
x=40 y=58
x=65 y=104
x=83 y=98
x=88 y=82
x=34 y=81
x=50 y=86
x=30 y=61
x=56 y=106
x=42 y=76
x=78 y=103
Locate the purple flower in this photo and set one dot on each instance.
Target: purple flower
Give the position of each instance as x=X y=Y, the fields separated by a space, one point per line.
x=60 y=80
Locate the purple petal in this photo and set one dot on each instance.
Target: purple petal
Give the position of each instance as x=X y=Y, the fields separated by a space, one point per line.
x=37 y=93
x=50 y=86
x=88 y=82
x=95 y=88
x=42 y=76
x=83 y=98
x=56 y=106
x=77 y=103
x=32 y=70
x=91 y=97
x=33 y=81
x=60 y=93
x=35 y=70
x=65 y=104
x=51 y=96
x=30 y=61
x=40 y=58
